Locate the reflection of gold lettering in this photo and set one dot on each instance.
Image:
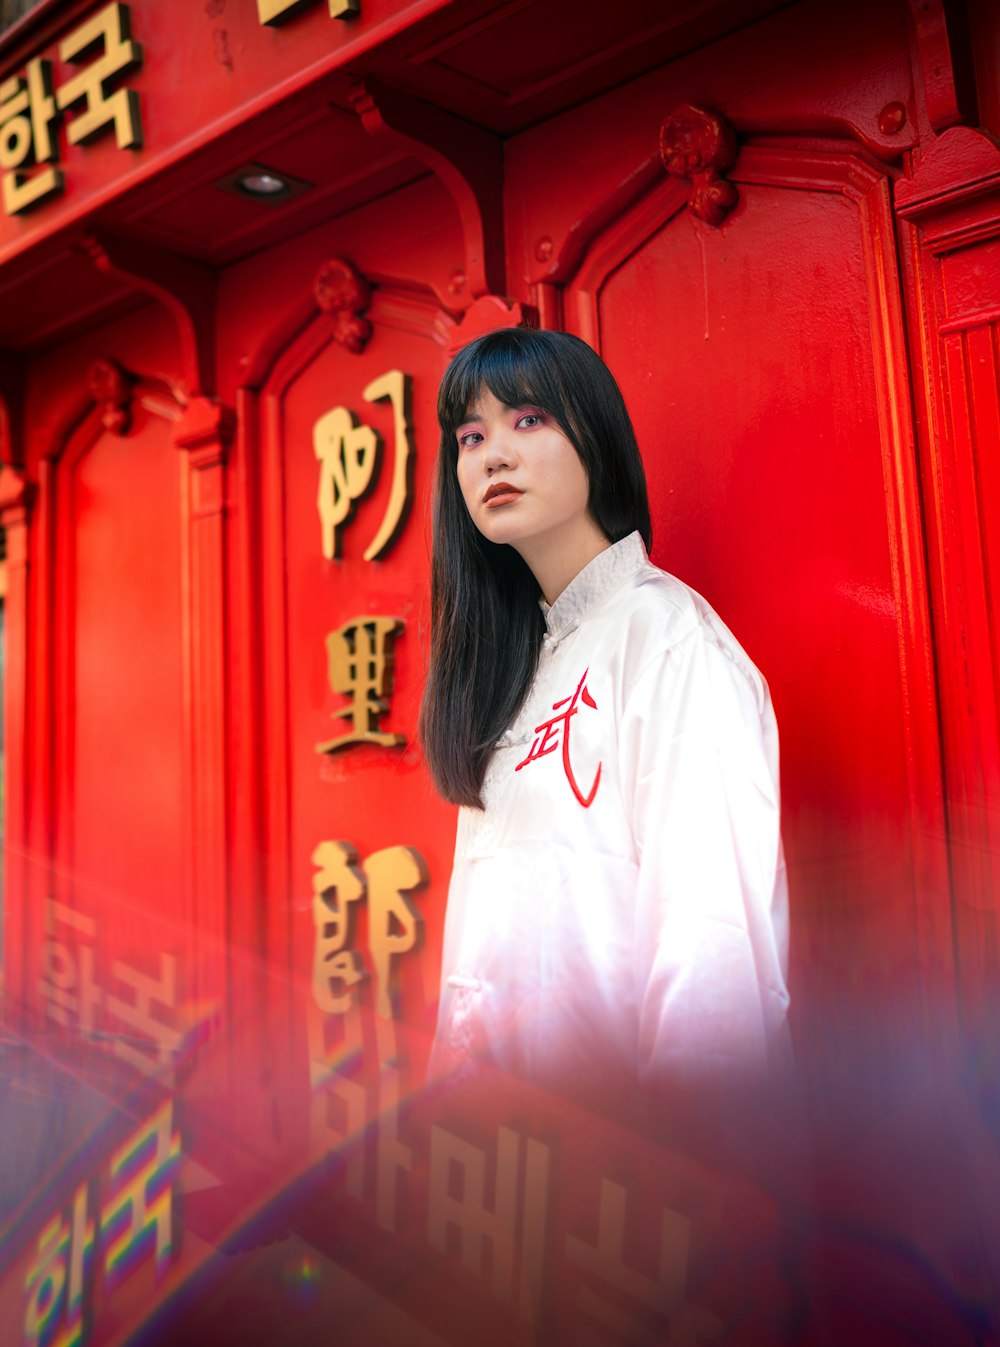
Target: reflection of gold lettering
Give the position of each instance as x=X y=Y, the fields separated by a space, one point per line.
x=606 y=1259
x=360 y=666
x=336 y=884
x=58 y=1277
x=342 y=1108
x=273 y=11
x=349 y=458
x=337 y=1111
x=145 y=1197
x=466 y=1209
x=394 y=923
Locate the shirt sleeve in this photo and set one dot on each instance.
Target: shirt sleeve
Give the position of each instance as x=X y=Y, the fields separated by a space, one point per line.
x=699 y=761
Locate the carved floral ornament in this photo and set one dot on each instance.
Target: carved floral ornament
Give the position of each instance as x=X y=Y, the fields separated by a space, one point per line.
x=696 y=143
x=343 y=293
x=16 y=495
x=111 y=389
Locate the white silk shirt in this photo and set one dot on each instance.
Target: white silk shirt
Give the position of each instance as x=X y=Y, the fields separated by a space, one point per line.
x=618 y=911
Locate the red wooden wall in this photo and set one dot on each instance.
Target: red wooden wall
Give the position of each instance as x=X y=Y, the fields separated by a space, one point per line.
x=803 y=327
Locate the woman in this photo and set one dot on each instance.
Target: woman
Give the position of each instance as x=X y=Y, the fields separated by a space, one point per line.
x=617 y=914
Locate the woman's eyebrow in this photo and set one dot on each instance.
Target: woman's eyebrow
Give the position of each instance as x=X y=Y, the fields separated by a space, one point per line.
x=474 y=412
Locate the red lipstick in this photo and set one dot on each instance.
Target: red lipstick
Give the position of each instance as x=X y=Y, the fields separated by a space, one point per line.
x=501 y=493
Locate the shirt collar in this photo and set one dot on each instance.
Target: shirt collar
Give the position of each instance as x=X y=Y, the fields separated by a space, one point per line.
x=607 y=572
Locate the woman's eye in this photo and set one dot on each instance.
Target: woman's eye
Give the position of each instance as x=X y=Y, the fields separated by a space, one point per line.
x=529 y=420
x=469 y=439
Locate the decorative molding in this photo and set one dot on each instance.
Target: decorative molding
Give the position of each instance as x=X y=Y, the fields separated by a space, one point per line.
x=696 y=143
x=469 y=163
x=16 y=496
x=260 y=630
x=935 y=67
x=342 y=292
x=488 y=314
x=22 y=769
x=954 y=195
x=206 y=424
x=11 y=409
x=111 y=388
x=203 y=434
x=950 y=242
x=852 y=176
x=185 y=288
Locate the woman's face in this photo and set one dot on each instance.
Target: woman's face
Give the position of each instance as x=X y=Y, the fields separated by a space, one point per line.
x=522 y=481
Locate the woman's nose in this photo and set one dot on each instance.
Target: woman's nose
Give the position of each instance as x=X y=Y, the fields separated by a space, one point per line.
x=499 y=454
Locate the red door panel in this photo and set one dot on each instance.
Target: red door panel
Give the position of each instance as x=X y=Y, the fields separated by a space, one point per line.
x=758 y=361
x=343 y=803
x=119 y=922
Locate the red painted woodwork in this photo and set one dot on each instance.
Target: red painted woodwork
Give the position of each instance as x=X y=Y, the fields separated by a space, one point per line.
x=468 y=161
x=697 y=143
x=116 y=727
x=951 y=213
x=16 y=500
x=824 y=479
x=202 y=434
x=779 y=225
x=311 y=798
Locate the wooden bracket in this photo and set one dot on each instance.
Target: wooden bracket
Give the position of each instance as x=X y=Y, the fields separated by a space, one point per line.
x=936 y=69
x=204 y=421
x=185 y=288
x=467 y=160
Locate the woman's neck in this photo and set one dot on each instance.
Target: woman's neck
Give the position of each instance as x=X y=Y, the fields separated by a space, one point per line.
x=556 y=561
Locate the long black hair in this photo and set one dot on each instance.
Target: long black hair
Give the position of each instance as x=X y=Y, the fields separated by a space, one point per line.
x=486 y=625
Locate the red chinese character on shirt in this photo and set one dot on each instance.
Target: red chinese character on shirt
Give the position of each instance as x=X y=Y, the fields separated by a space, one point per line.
x=548 y=739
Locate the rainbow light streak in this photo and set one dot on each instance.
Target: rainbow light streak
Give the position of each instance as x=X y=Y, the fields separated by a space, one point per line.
x=50 y=1296
x=334 y=1063
x=141 y=1214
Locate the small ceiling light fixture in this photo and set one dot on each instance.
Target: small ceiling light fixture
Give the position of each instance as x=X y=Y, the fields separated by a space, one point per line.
x=258 y=182
x=262 y=184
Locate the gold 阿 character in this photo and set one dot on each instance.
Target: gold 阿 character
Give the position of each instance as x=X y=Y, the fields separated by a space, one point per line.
x=349 y=457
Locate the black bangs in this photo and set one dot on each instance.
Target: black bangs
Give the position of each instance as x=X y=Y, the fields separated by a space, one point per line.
x=513 y=366
x=486 y=626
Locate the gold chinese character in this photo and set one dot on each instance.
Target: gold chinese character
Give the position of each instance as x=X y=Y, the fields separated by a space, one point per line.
x=360 y=666
x=349 y=456
x=273 y=11
x=336 y=884
x=108 y=28
x=394 y=923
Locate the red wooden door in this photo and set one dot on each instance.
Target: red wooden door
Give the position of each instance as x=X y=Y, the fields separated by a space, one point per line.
x=764 y=363
x=122 y=944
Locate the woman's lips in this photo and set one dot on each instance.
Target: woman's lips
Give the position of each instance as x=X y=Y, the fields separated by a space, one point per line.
x=501 y=493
